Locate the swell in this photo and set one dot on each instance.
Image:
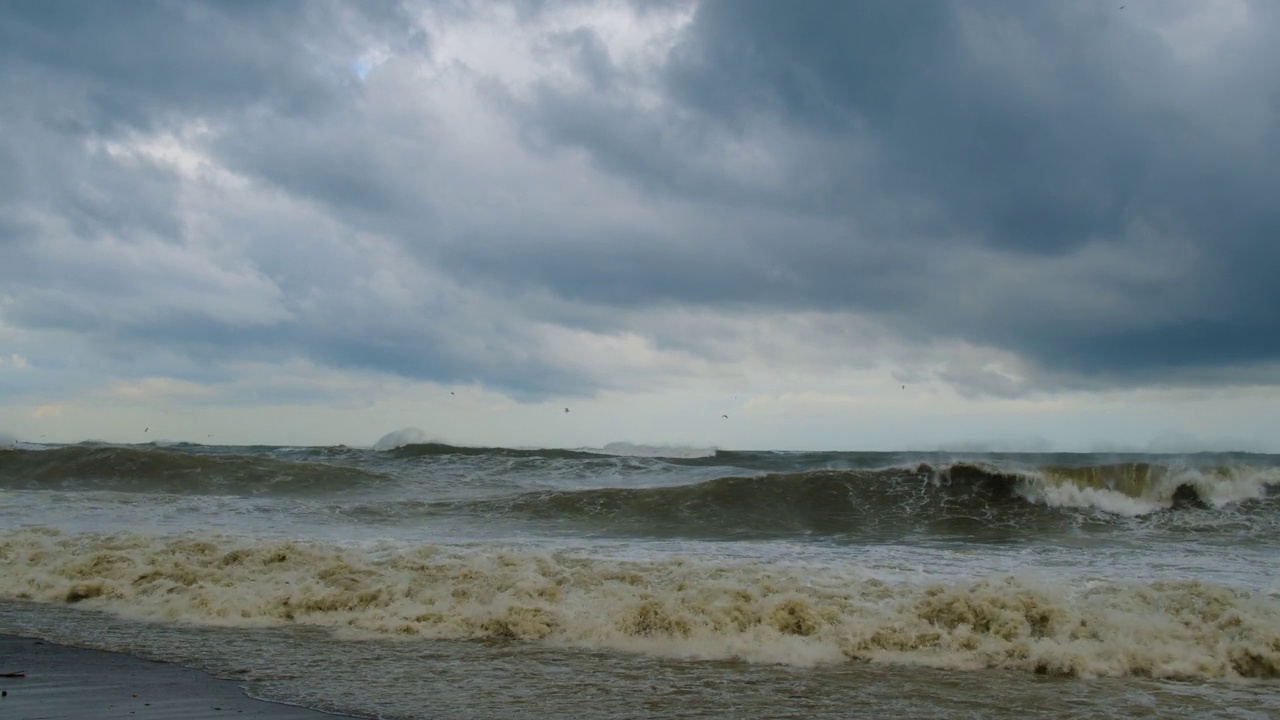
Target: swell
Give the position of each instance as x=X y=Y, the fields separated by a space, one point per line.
x=821 y=503
x=144 y=469
x=963 y=500
x=679 y=456
x=671 y=607
x=427 y=450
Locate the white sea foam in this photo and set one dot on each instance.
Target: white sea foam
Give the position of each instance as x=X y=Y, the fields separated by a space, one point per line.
x=670 y=607
x=1234 y=485
x=1108 y=501
x=1144 y=490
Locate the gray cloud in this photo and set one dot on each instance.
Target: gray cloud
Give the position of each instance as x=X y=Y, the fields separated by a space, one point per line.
x=1055 y=180
x=131 y=65
x=1026 y=132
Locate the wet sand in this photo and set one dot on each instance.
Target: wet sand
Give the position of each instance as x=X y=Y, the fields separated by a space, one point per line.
x=67 y=683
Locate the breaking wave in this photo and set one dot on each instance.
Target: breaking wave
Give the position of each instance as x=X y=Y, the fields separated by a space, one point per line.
x=670 y=607
x=644 y=495
x=958 y=500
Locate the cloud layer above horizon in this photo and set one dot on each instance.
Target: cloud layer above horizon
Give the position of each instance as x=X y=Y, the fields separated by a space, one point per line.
x=800 y=206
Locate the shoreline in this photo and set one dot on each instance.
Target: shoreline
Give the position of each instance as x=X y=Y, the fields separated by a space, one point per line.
x=73 y=683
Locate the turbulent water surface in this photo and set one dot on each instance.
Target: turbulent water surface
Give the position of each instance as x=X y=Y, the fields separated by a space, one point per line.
x=438 y=581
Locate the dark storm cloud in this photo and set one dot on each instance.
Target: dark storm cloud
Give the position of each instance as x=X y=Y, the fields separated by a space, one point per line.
x=1053 y=179
x=73 y=71
x=1031 y=133
x=133 y=62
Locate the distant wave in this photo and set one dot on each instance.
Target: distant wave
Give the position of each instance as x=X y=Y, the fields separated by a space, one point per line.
x=672 y=607
x=678 y=455
x=441 y=449
x=402 y=437
x=626 y=449
x=619 y=449
x=149 y=469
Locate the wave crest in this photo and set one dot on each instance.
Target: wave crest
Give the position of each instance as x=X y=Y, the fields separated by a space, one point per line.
x=1143 y=488
x=961 y=500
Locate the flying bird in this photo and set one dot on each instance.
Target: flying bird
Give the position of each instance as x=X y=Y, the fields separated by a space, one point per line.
x=726 y=417
x=566 y=409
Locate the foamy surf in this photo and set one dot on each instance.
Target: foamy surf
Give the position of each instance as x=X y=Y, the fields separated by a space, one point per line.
x=1141 y=488
x=671 y=607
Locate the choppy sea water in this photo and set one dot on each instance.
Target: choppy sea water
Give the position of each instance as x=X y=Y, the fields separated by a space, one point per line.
x=437 y=581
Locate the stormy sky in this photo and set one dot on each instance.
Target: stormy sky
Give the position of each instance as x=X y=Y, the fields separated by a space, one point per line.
x=848 y=225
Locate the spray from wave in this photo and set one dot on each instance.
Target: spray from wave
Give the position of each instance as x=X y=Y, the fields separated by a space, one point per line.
x=400 y=438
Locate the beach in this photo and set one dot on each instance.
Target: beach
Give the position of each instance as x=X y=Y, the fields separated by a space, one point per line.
x=434 y=581
x=68 y=683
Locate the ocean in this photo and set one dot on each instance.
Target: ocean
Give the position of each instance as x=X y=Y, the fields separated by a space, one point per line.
x=432 y=581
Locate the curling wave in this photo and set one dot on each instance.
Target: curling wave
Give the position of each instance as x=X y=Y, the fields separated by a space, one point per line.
x=964 y=499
